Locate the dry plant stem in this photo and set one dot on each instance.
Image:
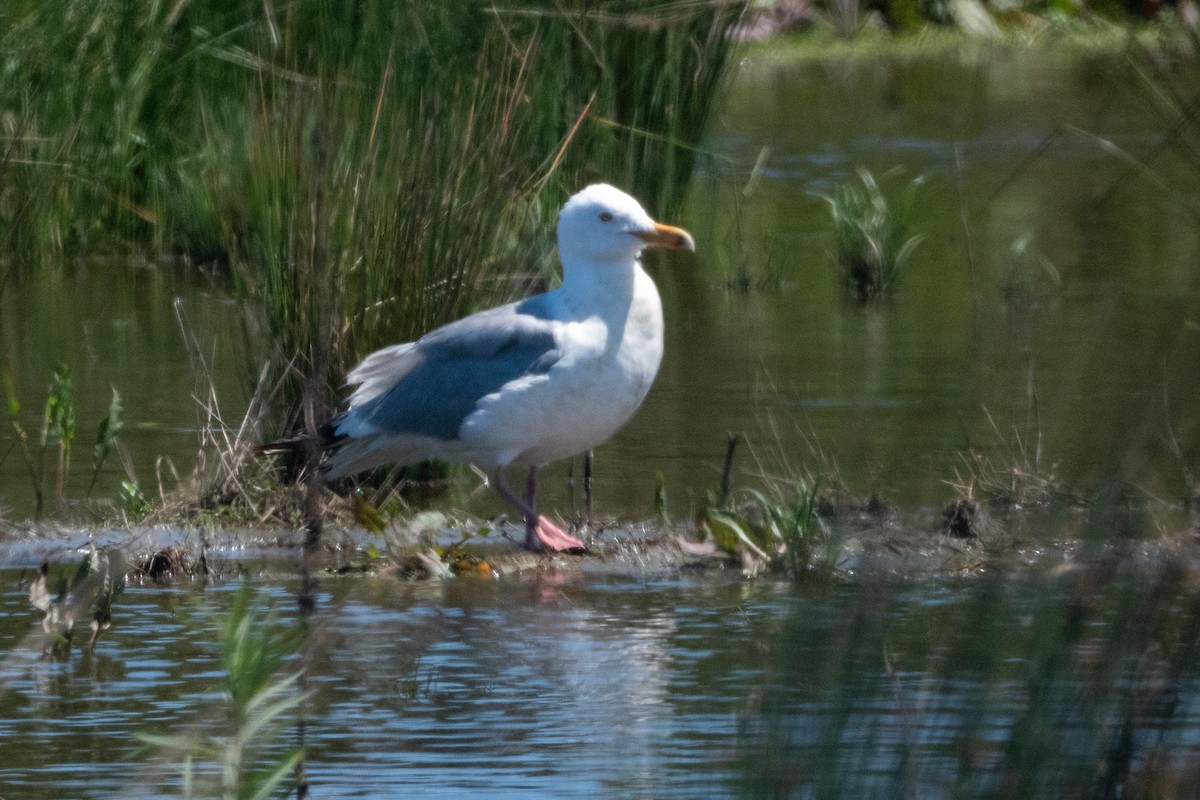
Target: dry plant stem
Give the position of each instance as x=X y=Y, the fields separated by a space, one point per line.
x=587 y=487
x=727 y=469
x=318 y=376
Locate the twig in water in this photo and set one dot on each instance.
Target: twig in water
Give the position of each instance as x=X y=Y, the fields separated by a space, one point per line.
x=587 y=488
x=727 y=470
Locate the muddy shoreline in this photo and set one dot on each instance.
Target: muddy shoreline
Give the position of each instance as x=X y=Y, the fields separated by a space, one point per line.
x=865 y=542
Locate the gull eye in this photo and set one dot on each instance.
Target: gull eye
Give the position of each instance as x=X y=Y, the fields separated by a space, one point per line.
x=606 y=217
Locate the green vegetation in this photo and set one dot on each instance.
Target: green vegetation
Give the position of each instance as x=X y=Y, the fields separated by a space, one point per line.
x=782 y=533
x=874 y=239
x=258 y=701
x=58 y=435
x=364 y=171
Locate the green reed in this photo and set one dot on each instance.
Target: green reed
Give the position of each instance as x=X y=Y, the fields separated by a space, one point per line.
x=363 y=171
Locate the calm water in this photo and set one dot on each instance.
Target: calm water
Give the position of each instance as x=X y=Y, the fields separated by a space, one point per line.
x=647 y=687
x=1069 y=274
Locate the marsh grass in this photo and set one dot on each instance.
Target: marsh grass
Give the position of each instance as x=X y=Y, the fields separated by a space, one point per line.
x=364 y=171
x=784 y=530
x=777 y=527
x=1009 y=468
x=873 y=235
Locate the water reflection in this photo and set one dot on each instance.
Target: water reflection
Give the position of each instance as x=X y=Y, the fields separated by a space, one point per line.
x=673 y=687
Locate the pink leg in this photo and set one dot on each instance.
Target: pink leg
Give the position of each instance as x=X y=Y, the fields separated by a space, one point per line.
x=547 y=532
x=540 y=533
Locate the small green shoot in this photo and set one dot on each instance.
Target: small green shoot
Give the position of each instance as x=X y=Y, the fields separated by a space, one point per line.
x=58 y=424
x=106 y=438
x=132 y=501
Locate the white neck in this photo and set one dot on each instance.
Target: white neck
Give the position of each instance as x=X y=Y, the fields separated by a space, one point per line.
x=594 y=288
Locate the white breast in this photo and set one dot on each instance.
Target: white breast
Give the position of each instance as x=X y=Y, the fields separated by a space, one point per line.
x=609 y=362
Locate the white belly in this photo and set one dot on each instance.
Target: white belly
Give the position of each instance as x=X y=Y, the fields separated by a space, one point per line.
x=598 y=385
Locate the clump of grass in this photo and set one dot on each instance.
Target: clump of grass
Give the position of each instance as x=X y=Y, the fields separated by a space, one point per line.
x=789 y=527
x=1012 y=473
x=874 y=238
x=781 y=530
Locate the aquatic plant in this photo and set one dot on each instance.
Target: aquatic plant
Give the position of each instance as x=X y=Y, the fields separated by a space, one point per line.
x=873 y=235
x=58 y=434
x=763 y=531
x=84 y=597
x=1008 y=467
x=258 y=700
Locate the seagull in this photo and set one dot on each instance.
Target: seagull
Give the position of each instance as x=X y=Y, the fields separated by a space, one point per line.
x=528 y=383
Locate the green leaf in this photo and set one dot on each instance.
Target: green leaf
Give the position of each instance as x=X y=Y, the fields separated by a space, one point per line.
x=729 y=534
x=275 y=778
x=58 y=416
x=106 y=434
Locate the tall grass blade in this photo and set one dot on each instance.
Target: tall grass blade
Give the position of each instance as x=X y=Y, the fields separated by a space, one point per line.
x=106 y=438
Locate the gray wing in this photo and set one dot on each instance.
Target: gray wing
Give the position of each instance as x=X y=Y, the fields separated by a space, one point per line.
x=430 y=386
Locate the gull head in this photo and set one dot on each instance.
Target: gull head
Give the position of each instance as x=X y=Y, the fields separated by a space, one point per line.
x=603 y=224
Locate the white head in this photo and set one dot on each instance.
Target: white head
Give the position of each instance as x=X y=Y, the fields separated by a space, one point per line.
x=602 y=224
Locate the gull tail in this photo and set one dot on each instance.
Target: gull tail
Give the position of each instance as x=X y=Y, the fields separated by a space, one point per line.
x=294 y=449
